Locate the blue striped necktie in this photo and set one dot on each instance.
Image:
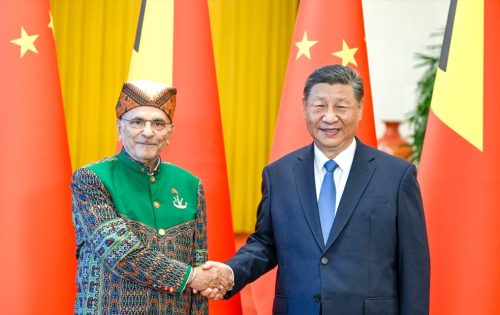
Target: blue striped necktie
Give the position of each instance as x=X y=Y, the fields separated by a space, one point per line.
x=326 y=201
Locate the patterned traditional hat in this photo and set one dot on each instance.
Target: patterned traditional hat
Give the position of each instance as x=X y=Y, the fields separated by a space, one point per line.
x=146 y=93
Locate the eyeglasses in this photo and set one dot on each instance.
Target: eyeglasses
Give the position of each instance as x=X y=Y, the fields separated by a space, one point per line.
x=156 y=124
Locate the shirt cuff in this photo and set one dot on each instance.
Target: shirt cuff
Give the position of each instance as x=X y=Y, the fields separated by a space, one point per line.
x=184 y=280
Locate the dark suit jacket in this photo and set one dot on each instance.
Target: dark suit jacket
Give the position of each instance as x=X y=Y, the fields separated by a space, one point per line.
x=376 y=261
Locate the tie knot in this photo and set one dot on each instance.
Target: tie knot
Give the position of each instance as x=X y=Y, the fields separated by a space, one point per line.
x=330 y=166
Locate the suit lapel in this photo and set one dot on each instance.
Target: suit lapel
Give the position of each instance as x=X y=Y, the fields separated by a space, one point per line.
x=359 y=177
x=306 y=189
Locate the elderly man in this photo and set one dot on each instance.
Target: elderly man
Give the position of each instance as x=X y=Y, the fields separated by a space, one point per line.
x=140 y=222
x=343 y=222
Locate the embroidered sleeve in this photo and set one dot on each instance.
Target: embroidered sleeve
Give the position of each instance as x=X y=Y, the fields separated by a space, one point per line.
x=200 y=303
x=110 y=240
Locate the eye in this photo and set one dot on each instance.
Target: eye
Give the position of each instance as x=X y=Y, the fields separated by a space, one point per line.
x=159 y=124
x=136 y=123
x=318 y=105
x=342 y=107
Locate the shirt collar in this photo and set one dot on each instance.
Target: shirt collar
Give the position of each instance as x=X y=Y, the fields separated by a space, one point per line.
x=343 y=159
x=139 y=165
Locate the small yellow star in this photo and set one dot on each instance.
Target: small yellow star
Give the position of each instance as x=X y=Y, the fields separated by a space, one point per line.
x=346 y=54
x=304 y=45
x=51 y=23
x=26 y=42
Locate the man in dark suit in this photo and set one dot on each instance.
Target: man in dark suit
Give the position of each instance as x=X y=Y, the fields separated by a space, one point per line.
x=344 y=222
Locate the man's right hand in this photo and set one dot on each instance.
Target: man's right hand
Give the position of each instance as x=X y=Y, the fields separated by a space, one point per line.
x=212 y=279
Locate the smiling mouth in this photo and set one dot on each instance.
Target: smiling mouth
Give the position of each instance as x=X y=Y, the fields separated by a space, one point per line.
x=330 y=131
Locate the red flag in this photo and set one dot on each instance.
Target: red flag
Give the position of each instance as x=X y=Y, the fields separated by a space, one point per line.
x=198 y=143
x=36 y=235
x=459 y=172
x=326 y=32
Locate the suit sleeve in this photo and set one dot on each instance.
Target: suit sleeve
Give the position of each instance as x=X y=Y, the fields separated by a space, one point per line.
x=199 y=302
x=413 y=248
x=108 y=237
x=258 y=255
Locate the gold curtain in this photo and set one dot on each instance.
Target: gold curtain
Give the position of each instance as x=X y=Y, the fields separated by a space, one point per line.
x=94 y=42
x=251 y=41
x=251 y=45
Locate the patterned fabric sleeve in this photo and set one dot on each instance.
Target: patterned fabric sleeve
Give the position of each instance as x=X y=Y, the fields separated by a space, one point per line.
x=98 y=226
x=200 y=303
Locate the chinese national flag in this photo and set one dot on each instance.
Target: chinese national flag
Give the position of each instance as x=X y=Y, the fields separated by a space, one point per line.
x=460 y=166
x=37 y=265
x=174 y=46
x=326 y=32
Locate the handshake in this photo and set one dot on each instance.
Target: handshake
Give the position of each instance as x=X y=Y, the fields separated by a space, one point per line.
x=212 y=279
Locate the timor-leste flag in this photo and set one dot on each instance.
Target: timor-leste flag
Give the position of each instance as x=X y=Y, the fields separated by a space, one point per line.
x=174 y=46
x=326 y=32
x=37 y=246
x=460 y=166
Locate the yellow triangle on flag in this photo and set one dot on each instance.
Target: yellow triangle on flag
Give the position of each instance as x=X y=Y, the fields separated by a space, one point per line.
x=458 y=91
x=152 y=57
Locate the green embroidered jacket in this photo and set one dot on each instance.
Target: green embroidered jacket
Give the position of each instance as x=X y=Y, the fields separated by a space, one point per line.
x=138 y=236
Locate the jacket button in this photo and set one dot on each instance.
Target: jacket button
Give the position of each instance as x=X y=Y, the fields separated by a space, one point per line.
x=156 y=204
x=324 y=260
x=317 y=298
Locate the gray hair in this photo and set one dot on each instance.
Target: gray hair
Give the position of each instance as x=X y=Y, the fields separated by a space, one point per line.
x=335 y=74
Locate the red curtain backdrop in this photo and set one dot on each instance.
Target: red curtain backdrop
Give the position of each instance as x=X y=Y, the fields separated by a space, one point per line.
x=37 y=268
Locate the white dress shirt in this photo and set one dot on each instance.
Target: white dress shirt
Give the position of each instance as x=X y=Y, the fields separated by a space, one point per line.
x=344 y=161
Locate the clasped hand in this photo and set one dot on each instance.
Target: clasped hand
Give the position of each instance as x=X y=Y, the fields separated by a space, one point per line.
x=212 y=279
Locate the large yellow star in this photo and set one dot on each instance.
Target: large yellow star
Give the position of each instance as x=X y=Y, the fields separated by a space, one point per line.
x=26 y=42
x=304 y=45
x=346 y=54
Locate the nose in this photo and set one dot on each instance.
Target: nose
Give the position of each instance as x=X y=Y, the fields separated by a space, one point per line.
x=330 y=116
x=147 y=131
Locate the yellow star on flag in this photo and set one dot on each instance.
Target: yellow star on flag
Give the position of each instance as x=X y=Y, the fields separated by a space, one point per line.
x=26 y=42
x=346 y=54
x=51 y=23
x=304 y=45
